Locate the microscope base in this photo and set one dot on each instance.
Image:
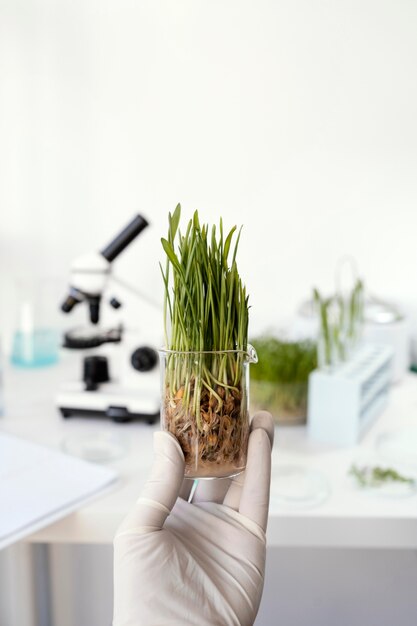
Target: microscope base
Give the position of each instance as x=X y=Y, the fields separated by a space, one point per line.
x=110 y=400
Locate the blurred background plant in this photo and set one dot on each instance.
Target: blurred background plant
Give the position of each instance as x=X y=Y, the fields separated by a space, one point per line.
x=341 y=319
x=279 y=382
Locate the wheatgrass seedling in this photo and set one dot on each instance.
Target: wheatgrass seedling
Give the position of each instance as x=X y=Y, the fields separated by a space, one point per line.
x=376 y=476
x=206 y=327
x=340 y=323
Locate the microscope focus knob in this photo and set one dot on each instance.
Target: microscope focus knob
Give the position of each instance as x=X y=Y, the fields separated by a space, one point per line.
x=144 y=359
x=96 y=371
x=115 y=303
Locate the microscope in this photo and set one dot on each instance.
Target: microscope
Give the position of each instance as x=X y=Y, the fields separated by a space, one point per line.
x=120 y=374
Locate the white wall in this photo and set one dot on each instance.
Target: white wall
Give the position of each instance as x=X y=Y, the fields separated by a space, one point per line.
x=296 y=118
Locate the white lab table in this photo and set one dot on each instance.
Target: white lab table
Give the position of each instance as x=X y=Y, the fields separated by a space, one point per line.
x=347 y=520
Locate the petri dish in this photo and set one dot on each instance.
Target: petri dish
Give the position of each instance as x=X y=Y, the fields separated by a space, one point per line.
x=294 y=486
x=98 y=447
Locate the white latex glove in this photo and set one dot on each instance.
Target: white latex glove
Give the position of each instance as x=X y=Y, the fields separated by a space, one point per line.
x=199 y=563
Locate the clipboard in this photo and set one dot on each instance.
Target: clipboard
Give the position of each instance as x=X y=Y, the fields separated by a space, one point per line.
x=40 y=485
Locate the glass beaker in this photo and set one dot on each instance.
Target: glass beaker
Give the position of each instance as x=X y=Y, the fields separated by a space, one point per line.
x=205 y=405
x=36 y=337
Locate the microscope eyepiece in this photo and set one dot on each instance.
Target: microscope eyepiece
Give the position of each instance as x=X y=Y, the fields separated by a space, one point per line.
x=124 y=238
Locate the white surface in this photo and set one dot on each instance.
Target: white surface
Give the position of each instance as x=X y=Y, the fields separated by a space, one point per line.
x=347 y=519
x=40 y=486
x=295 y=118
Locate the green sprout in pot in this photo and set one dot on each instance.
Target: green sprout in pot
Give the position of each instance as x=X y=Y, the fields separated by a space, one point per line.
x=204 y=366
x=279 y=383
x=355 y=307
x=340 y=325
x=330 y=341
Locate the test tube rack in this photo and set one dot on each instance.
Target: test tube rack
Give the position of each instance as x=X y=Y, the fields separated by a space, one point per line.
x=343 y=402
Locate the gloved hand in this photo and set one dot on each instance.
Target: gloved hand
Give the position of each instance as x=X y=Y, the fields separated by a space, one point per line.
x=199 y=563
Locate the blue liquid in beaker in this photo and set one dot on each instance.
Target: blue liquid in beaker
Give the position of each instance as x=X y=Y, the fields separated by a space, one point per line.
x=35 y=349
